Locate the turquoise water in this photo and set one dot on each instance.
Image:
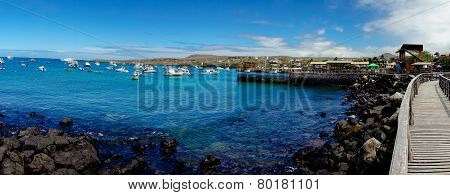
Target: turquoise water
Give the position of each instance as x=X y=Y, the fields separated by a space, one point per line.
x=254 y=123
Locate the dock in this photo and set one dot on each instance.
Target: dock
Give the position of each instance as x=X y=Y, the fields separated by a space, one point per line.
x=423 y=137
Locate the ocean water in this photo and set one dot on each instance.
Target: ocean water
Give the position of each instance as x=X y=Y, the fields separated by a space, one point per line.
x=255 y=124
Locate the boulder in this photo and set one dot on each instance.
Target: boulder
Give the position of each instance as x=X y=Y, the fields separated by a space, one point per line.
x=30 y=131
x=369 y=150
x=323 y=114
x=168 y=146
x=66 y=122
x=3 y=150
x=209 y=165
x=42 y=163
x=135 y=166
x=379 y=135
x=342 y=167
x=81 y=156
x=397 y=98
x=55 y=132
x=12 y=164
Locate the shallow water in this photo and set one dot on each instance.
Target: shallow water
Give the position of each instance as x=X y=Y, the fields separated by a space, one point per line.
x=253 y=123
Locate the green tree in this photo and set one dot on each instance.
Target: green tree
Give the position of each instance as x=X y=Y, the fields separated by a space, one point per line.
x=427 y=56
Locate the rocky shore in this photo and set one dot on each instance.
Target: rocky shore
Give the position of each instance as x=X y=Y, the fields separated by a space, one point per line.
x=362 y=143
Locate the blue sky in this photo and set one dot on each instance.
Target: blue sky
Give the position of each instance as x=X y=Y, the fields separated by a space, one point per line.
x=123 y=29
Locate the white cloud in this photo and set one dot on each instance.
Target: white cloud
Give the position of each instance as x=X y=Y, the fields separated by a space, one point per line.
x=321 y=31
x=412 y=21
x=339 y=29
x=269 y=42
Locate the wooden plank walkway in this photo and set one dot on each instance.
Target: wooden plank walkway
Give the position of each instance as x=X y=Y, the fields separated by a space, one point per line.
x=430 y=134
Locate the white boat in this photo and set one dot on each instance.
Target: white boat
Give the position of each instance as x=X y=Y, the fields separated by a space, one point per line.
x=2 y=68
x=110 y=68
x=87 y=64
x=219 y=68
x=24 y=65
x=10 y=58
x=228 y=69
x=122 y=69
x=135 y=77
x=210 y=71
x=97 y=63
x=184 y=71
x=81 y=69
x=32 y=60
x=42 y=68
x=68 y=60
x=1 y=61
x=172 y=72
x=248 y=70
x=149 y=69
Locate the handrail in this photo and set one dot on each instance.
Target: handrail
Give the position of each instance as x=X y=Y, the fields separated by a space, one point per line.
x=402 y=148
x=444 y=83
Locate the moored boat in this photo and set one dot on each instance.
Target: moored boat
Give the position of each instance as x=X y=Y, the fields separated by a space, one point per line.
x=10 y=58
x=97 y=63
x=210 y=71
x=87 y=64
x=1 y=61
x=172 y=72
x=42 y=68
x=149 y=69
x=122 y=69
x=185 y=71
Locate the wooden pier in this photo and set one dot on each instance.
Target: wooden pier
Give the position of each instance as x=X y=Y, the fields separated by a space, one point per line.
x=423 y=137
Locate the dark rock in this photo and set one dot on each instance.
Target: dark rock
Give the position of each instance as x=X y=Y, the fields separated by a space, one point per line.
x=180 y=168
x=113 y=157
x=3 y=150
x=42 y=163
x=324 y=134
x=379 y=135
x=168 y=146
x=2 y=124
x=55 y=132
x=323 y=114
x=209 y=165
x=1 y=115
x=30 y=131
x=141 y=149
x=36 y=115
x=343 y=167
x=64 y=171
x=81 y=156
x=135 y=166
x=322 y=172
x=12 y=164
x=369 y=150
x=12 y=143
x=66 y=122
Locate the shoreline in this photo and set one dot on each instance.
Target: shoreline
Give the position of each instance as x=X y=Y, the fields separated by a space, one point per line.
x=363 y=143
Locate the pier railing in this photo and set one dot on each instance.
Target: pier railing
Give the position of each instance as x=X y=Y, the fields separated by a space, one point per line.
x=402 y=149
x=444 y=83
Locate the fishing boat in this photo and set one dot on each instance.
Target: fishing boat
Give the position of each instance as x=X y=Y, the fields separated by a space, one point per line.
x=173 y=72
x=185 y=71
x=10 y=58
x=87 y=64
x=210 y=71
x=97 y=63
x=42 y=68
x=122 y=69
x=149 y=69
